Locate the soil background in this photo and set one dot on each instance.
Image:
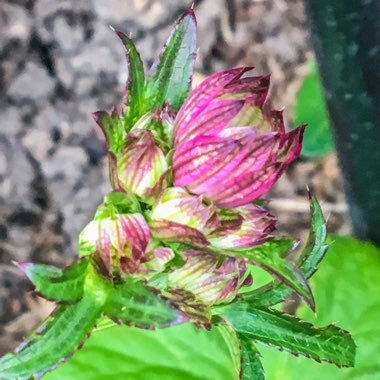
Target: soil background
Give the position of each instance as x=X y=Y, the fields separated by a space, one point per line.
x=60 y=61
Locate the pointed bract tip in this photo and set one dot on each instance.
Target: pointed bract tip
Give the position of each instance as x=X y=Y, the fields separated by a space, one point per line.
x=312 y=306
x=189 y=12
x=245 y=69
x=112 y=28
x=23 y=266
x=310 y=195
x=119 y=33
x=97 y=115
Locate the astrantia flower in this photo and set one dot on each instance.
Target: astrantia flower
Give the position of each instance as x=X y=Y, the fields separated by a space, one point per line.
x=180 y=216
x=206 y=279
x=120 y=241
x=157 y=259
x=244 y=227
x=140 y=163
x=228 y=146
x=137 y=163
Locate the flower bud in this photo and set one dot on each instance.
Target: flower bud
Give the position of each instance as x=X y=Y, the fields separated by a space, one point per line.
x=119 y=242
x=245 y=227
x=229 y=147
x=141 y=164
x=209 y=282
x=158 y=258
x=179 y=216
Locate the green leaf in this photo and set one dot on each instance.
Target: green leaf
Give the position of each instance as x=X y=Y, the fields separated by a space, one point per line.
x=244 y=354
x=113 y=129
x=136 y=83
x=117 y=203
x=311 y=256
x=135 y=304
x=178 y=353
x=252 y=367
x=316 y=246
x=55 y=283
x=282 y=331
x=53 y=342
x=311 y=108
x=171 y=80
x=232 y=341
x=346 y=290
x=273 y=261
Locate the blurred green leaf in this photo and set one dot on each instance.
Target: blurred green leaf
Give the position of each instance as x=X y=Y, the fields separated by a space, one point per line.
x=55 y=283
x=286 y=332
x=178 y=353
x=271 y=258
x=53 y=342
x=233 y=342
x=311 y=256
x=171 y=80
x=135 y=304
x=113 y=128
x=346 y=291
x=252 y=367
x=310 y=108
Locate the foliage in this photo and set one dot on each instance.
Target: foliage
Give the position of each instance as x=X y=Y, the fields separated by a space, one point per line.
x=128 y=353
x=346 y=290
x=347 y=276
x=311 y=108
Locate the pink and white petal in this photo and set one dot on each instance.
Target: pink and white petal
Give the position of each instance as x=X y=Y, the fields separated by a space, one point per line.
x=161 y=257
x=291 y=145
x=215 y=116
x=198 y=266
x=177 y=205
x=197 y=157
x=135 y=228
x=248 y=187
x=249 y=85
x=218 y=174
x=171 y=231
x=140 y=164
x=200 y=97
x=253 y=157
x=252 y=114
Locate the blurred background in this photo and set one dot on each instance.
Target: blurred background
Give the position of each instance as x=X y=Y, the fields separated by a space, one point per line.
x=60 y=61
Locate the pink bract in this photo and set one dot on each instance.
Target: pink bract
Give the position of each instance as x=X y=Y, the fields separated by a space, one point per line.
x=229 y=147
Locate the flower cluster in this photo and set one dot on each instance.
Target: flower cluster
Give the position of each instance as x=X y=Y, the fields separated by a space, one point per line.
x=195 y=175
x=176 y=239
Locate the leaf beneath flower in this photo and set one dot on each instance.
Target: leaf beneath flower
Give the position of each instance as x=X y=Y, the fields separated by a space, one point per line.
x=252 y=367
x=273 y=261
x=285 y=332
x=308 y=262
x=233 y=343
x=55 y=283
x=245 y=356
x=135 y=304
x=53 y=342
